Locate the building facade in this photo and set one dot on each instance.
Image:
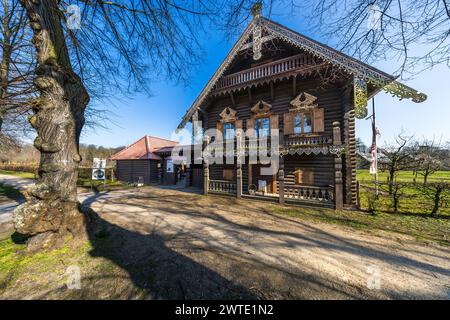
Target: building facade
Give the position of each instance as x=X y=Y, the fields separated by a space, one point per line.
x=148 y=161
x=277 y=80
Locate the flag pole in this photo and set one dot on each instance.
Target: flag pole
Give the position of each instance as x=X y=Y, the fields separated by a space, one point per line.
x=374 y=147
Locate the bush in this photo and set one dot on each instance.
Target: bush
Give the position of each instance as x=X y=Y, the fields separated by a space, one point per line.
x=20 y=167
x=372 y=202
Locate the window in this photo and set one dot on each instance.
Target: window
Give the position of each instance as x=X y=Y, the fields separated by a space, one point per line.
x=262 y=127
x=230 y=130
x=302 y=123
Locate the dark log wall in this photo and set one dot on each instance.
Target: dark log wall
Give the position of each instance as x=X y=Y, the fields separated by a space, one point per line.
x=321 y=166
x=154 y=172
x=131 y=170
x=331 y=99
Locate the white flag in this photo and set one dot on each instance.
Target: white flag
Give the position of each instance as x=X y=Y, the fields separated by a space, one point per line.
x=373 y=163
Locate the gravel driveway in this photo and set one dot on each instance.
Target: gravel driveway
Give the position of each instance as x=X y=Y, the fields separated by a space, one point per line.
x=274 y=256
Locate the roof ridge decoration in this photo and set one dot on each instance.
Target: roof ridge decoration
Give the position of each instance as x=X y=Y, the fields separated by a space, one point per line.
x=358 y=69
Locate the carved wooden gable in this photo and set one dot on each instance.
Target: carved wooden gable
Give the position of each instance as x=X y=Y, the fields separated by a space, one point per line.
x=228 y=115
x=303 y=101
x=261 y=108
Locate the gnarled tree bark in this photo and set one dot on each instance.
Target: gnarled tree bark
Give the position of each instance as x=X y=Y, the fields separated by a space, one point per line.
x=5 y=62
x=51 y=212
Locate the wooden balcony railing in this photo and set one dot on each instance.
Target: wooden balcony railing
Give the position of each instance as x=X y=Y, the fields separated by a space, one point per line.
x=265 y=70
x=222 y=186
x=310 y=193
x=299 y=141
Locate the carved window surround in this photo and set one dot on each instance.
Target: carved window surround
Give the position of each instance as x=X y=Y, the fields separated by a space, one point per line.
x=303 y=102
x=228 y=115
x=261 y=109
x=302 y=105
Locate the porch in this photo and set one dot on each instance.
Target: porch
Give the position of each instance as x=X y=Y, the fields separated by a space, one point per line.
x=303 y=195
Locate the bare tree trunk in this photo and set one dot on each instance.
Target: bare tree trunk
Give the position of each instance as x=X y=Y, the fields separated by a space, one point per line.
x=5 y=62
x=425 y=177
x=52 y=212
x=437 y=201
x=391 y=180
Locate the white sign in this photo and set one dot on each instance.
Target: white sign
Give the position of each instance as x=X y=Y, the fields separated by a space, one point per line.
x=262 y=185
x=169 y=166
x=99 y=163
x=98 y=169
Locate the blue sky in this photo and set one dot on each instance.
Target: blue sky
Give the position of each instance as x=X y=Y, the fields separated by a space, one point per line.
x=160 y=114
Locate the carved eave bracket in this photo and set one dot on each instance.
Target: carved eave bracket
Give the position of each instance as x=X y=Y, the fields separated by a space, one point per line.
x=303 y=101
x=402 y=91
x=261 y=108
x=360 y=97
x=228 y=115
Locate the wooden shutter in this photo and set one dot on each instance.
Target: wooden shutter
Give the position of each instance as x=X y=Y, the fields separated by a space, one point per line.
x=318 y=124
x=220 y=128
x=229 y=174
x=274 y=122
x=250 y=127
x=304 y=176
x=238 y=124
x=289 y=123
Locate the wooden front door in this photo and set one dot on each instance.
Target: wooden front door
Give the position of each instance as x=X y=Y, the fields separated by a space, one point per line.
x=268 y=183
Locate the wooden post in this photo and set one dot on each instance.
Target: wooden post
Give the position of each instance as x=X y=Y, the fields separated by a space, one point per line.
x=281 y=182
x=374 y=144
x=187 y=174
x=281 y=170
x=239 y=179
x=338 y=186
x=358 y=196
x=205 y=177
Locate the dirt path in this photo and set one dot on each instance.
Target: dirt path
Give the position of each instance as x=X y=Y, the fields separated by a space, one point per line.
x=275 y=256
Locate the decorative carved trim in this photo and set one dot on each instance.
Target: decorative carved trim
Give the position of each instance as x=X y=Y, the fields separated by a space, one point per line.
x=261 y=108
x=303 y=101
x=402 y=91
x=228 y=115
x=371 y=75
x=307 y=151
x=360 y=93
x=257 y=41
x=337 y=151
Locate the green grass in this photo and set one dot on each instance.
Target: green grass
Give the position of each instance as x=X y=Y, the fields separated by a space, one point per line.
x=85 y=182
x=412 y=202
x=44 y=275
x=82 y=182
x=403 y=176
x=8 y=193
x=20 y=174
x=423 y=228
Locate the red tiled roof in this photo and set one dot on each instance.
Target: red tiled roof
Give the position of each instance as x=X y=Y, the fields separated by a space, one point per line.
x=144 y=148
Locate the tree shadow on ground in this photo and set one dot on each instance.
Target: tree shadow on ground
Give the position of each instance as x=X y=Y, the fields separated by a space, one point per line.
x=8 y=193
x=159 y=271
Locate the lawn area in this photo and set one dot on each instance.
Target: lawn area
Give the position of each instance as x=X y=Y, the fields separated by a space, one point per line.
x=22 y=272
x=26 y=175
x=403 y=176
x=423 y=228
x=82 y=182
x=8 y=193
x=412 y=202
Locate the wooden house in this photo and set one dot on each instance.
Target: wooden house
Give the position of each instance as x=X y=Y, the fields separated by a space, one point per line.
x=147 y=161
x=275 y=78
